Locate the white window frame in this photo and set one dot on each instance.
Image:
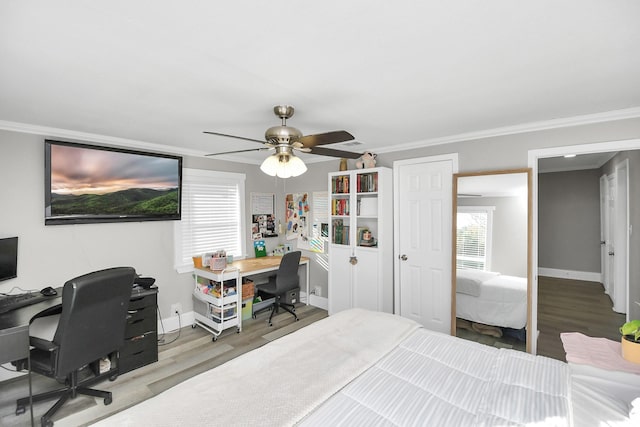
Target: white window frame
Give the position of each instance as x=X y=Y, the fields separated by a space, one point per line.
x=182 y=261
x=488 y=210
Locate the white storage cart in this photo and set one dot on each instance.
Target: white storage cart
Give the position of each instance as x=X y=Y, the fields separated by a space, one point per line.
x=217 y=300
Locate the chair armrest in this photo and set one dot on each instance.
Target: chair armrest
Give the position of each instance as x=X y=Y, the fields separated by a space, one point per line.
x=41 y=344
x=56 y=309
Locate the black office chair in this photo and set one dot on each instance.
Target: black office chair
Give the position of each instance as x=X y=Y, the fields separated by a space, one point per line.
x=89 y=327
x=284 y=281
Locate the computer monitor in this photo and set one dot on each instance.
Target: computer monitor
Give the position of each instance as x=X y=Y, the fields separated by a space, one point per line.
x=8 y=258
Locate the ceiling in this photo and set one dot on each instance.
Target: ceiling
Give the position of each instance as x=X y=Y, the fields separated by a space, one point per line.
x=493 y=185
x=579 y=162
x=397 y=75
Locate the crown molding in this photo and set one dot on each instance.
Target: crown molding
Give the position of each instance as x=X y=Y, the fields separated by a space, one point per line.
x=587 y=119
x=113 y=141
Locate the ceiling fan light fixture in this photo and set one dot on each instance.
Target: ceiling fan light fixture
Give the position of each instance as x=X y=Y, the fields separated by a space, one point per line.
x=296 y=165
x=270 y=165
x=283 y=165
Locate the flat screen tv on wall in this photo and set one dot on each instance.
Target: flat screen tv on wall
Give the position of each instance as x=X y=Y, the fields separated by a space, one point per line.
x=91 y=184
x=8 y=258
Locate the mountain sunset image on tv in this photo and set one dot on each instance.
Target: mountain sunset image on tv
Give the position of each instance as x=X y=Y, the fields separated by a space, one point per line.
x=88 y=184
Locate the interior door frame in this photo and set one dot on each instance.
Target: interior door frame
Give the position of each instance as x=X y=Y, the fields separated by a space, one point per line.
x=534 y=155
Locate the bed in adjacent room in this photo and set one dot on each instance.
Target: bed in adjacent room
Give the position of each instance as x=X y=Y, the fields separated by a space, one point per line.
x=491 y=298
x=370 y=368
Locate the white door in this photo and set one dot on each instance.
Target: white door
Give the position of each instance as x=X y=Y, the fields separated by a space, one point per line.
x=423 y=221
x=604 y=233
x=367 y=293
x=621 y=238
x=340 y=279
x=610 y=245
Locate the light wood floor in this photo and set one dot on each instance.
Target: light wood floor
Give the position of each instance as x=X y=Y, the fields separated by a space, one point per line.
x=566 y=305
x=192 y=353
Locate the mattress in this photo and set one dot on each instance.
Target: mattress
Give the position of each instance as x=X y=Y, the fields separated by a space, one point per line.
x=436 y=380
x=502 y=301
x=375 y=369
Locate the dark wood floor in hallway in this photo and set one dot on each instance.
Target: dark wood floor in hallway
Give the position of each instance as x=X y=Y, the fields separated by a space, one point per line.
x=566 y=305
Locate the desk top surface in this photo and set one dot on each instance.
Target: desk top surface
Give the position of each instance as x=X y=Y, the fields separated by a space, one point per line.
x=251 y=265
x=21 y=316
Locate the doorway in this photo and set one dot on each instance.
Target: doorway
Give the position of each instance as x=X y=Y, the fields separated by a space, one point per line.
x=534 y=157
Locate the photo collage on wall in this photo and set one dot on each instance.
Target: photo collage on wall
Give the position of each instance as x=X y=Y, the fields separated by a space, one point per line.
x=297 y=211
x=263 y=225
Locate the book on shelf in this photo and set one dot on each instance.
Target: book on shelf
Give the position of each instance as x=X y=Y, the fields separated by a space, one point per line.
x=340 y=233
x=340 y=207
x=367 y=182
x=340 y=184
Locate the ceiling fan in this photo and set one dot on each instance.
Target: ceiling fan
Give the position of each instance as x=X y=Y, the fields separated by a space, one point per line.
x=285 y=139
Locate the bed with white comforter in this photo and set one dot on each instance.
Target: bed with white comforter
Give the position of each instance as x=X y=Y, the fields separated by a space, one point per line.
x=491 y=298
x=369 y=368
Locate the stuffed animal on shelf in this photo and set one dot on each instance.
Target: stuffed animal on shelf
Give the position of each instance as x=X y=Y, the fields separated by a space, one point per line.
x=367 y=160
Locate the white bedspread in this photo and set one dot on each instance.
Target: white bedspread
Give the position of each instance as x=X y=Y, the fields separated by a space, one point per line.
x=279 y=383
x=375 y=369
x=433 y=379
x=502 y=302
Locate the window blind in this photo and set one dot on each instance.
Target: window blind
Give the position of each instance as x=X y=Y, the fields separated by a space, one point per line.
x=212 y=215
x=473 y=237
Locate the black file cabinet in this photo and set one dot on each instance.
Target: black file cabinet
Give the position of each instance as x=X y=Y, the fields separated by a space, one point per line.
x=141 y=335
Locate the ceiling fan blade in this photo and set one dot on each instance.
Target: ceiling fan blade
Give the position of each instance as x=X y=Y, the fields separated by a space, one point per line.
x=334 y=153
x=239 y=151
x=234 y=136
x=326 y=138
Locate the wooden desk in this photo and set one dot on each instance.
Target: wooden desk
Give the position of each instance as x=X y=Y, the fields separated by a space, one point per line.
x=251 y=266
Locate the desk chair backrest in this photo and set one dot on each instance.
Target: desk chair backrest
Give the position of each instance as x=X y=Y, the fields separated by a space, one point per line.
x=287 y=276
x=93 y=318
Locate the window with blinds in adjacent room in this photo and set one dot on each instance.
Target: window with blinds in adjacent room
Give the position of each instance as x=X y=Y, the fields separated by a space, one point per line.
x=473 y=237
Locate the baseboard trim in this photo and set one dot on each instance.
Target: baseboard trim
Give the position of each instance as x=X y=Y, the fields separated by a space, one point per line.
x=587 y=276
x=174 y=323
x=320 y=302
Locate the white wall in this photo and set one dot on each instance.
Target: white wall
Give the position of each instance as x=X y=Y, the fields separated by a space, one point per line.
x=50 y=255
x=569 y=221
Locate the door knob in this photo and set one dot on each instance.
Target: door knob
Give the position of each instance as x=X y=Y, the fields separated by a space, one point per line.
x=403 y=257
x=611 y=253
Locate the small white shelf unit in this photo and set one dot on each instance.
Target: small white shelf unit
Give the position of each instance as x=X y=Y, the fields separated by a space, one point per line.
x=360 y=270
x=218 y=311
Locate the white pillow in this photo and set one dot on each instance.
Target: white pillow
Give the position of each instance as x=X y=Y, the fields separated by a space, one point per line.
x=469 y=281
